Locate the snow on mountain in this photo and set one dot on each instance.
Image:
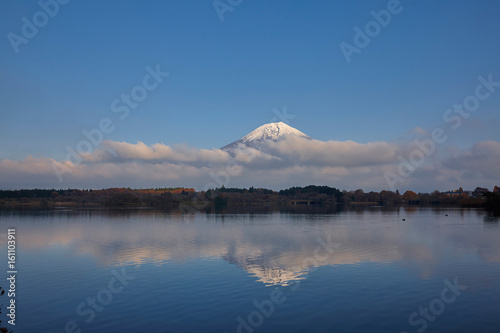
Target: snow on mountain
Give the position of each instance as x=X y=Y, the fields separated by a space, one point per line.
x=266 y=133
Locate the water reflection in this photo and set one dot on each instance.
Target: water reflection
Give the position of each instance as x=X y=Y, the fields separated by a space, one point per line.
x=275 y=248
x=492 y=216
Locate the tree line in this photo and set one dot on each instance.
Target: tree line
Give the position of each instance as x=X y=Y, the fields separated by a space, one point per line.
x=171 y=196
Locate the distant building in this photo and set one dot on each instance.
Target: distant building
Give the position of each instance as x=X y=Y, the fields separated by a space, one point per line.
x=468 y=193
x=457 y=193
x=477 y=193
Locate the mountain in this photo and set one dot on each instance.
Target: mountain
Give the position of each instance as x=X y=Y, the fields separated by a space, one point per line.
x=266 y=133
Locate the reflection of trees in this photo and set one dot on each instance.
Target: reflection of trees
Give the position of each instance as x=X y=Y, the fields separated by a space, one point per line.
x=492 y=217
x=492 y=206
x=411 y=209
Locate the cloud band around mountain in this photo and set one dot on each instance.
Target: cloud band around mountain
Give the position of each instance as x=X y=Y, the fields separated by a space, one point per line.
x=288 y=162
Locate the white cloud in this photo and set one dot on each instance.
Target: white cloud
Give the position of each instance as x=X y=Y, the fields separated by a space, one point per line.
x=483 y=160
x=335 y=153
x=113 y=151
x=291 y=162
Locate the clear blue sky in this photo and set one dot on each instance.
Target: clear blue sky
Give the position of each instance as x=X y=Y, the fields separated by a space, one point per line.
x=227 y=76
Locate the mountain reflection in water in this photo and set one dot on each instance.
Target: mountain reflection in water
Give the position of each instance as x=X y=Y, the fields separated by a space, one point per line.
x=275 y=248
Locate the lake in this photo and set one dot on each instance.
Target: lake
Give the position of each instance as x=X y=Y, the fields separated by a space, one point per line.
x=363 y=270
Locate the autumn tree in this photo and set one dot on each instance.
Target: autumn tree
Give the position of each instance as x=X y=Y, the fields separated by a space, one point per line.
x=410 y=196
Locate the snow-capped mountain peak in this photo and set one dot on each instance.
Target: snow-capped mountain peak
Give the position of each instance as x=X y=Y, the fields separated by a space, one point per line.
x=267 y=132
x=272 y=131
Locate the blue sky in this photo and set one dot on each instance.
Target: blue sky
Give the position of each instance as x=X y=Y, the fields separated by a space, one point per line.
x=227 y=76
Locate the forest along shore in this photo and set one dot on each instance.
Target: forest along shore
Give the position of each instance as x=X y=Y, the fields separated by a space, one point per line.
x=226 y=197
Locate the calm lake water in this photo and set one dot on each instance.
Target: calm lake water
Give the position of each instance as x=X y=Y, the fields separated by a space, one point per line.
x=348 y=271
